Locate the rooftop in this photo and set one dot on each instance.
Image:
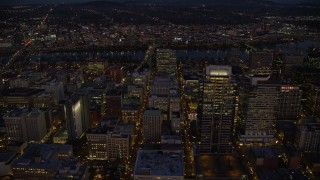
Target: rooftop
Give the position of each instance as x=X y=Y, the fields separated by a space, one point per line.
x=42 y=156
x=109 y=121
x=214 y=70
x=281 y=174
x=34 y=113
x=42 y=94
x=175 y=114
x=16 y=113
x=114 y=92
x=130 y=106
x=176 y=137
x=71 y=168
x=162 y=163
x=53 y=82
x=158 y=96
x=119 y=130
x=265 y=152
x=310 y=124
x=20 y=92
x=191 y=77
x=152 y=112
x=21 y=77
x=7 y=156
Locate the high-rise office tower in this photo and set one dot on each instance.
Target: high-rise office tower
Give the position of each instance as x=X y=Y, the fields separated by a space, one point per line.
x=116 y=73
x=258 y=103
x=151 y=125
x=20 y=82
x=161 y=88
x=160 y=102
x=166 y=60
x=57 y=90
x=308 y=135
x=36 y=125
x=83 y=95
x=72 y=110
x=15 y=122
x=261 y=62
x=217 y=110
x=289 y=102
x=290 y=62
x=97 y=67
x=313 y=58
x=3 y=142
x=175 y=119
x=77 y=115
x=162 y=83
x=1 y=81
x=42 y=100
x=130 y=112
x=110 y=139
x=113 y=103
x=174 y=100
x=278 y=64
x=23 y=125
x=174 y=110
x=312 y=104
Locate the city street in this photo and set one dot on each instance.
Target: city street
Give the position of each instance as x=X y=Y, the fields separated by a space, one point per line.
x=185 y=126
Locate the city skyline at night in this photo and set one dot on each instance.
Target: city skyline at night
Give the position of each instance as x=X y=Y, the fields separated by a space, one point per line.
x=143 y=90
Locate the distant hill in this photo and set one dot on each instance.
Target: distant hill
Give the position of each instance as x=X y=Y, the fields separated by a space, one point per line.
x=175 y=2
x=103 y=3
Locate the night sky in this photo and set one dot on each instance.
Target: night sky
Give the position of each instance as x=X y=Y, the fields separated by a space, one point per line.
x=17 y=2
